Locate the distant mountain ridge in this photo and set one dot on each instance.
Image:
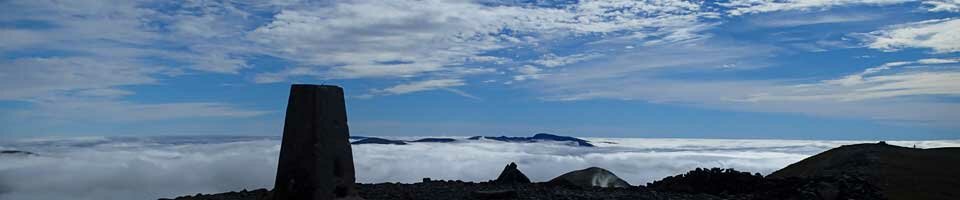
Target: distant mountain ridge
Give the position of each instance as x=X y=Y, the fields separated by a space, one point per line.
x=536 y=138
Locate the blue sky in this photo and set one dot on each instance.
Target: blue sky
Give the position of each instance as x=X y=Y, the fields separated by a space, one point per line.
x=800 y=69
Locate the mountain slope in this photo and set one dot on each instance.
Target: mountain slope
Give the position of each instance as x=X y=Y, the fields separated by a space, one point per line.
x=900 y=172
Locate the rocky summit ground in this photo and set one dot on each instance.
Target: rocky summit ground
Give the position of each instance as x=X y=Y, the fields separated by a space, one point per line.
x=899 y=172
x=860 y=172
x=679 y=189
x=446 y=190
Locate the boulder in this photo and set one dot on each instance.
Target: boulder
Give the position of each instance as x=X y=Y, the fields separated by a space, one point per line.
x=590 y=177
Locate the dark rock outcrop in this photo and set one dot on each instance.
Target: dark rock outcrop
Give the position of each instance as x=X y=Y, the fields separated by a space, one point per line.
x=536 y=138
x=590 y=177
x=711 y=181
x=511 y=174
x=373 y=140
x=899 y=172
x=316 y=161
x=729 y=182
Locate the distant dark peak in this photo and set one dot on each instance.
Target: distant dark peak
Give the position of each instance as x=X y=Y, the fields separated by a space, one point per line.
x=511 y=175
x=16 y=152
x=373 y=140
x=440 y=140
x=536 y=138
x=544 y=136
x=358 y=137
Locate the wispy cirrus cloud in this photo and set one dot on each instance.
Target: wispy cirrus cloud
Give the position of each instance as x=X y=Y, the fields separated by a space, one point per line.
x=938 y=76
x=943 y=5
x=96 y=52
x=419 y=86
x=357 y=39
x=69 y=59
x=939 y=35
x=743 y=7
x=803 y=19
x=895 y=92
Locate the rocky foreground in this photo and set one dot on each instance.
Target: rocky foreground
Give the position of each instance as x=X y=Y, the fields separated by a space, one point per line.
x=444 y=190
x=861 y=172
x=598 y=183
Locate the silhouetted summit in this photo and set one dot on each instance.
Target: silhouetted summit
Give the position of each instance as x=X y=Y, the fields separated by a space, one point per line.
x=900 y=172
x=511 y=174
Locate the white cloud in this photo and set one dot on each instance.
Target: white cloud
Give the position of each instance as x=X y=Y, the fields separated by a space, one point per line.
x=38 y=77
x=399 y=38
x=552 y=60
x=104 y=92
x=742 y=7
x=162 y=167
x=940 y=35
x=80 y=55
x=273 y=77
x=943 y=5
x=355 y=39
x=419 y=86
x=528 y=72
x=529 y=69
x=82 y=109
x=646 y=61
x=136 y=169
x=105 y=30
x=902 y=95
x=913 y=78
x=84 y=89
x=789 y=20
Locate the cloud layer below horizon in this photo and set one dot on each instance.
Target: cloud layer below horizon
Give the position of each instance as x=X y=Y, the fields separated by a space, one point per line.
x=97 y=168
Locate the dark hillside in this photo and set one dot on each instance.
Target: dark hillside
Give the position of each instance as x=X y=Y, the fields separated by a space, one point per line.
x=900 y=172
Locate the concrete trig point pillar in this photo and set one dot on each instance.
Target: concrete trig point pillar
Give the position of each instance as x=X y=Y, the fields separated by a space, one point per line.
x=316 y=162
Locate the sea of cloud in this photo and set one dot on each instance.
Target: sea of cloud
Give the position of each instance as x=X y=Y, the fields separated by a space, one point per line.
x=98 y=168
